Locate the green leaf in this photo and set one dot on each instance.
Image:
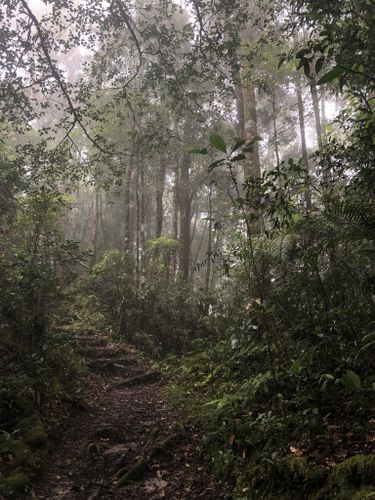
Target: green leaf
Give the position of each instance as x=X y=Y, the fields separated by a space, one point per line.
x=351 y=381
x=354 y=378
x=249 y=146
x=215 y=164
x=239 y=142
x=306 y=67
x=367 y=346
x=336 y=72
x=197 y=151
x=218 y=142
x=239 y=157
x=319 y=64
x=368 y=337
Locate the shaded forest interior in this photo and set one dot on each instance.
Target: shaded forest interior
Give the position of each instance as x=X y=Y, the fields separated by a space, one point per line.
x=189 y=186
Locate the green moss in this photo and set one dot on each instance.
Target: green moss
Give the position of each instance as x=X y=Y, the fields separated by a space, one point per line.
x=57 y=386
x=17 y=483
x=355 y=472
x=364 y=494
x=23 y=455
x=34 y=434
x=295 y=474
x=352 y=479
x=19 y=452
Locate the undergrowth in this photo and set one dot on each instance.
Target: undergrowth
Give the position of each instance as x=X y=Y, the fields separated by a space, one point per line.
x=39 y=388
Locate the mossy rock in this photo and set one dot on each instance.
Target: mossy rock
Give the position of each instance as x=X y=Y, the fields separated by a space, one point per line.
x=57 y=386
x=295 y=473
x=23 y=455
x=17 y=483
x=355 y=472
x=34 y=434
x=352 y=479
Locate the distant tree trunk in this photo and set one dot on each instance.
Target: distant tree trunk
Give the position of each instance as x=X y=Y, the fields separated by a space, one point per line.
x=103 y=227
x=127 y=271
x=195 y=261
x=137 y=229
x=95 y=227
x=142 y=218
x=318 y=124
x=195 y=220
x=185 y=216
x=248 y=127
x=240 y=106
x=160 y=184
x=302 y=126
x=275 y=133
x=323 y=113
x=326 y=171
x=175 y=221
x=209 y=245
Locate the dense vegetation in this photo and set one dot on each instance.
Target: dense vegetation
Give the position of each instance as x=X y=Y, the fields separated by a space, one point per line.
x=196 y=179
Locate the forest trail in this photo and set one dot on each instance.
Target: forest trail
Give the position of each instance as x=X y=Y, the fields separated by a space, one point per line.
x=127 y=429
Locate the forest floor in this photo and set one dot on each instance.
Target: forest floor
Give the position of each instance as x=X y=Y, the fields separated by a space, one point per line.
x=127 y=443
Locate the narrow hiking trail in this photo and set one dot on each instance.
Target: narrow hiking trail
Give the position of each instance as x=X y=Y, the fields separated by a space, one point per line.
x=126 y=445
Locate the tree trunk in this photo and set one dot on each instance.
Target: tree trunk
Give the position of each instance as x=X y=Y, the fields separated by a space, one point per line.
x=275 y=133
x=248 y=125
x=302 y=127
x=160 y=184
x=318 y=124
x=127 y=271
x=142 y=217
x=185 y=216
x=175 y=221
x=209 y=245
x=95 y=227
x=137 y=230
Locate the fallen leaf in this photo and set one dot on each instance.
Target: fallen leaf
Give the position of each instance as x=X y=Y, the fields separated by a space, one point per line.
x=296 y=451
x=156 y=485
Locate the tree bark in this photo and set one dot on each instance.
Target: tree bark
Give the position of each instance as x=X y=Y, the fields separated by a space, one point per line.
x=185 y=216
x=248 y=126
x=302 y=127
x=95 y=227
x=209 y=245
x=160 y=184
x=275 y=133
x=127 y=267
x=318 y=124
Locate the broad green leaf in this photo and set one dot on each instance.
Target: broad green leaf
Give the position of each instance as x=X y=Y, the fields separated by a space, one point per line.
x=354 y=378
x=351 y=381
x=335 y=73
x=306 y=67
x=218 y=142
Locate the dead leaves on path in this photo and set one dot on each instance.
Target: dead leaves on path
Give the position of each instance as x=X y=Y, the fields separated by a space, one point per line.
x=156 y=486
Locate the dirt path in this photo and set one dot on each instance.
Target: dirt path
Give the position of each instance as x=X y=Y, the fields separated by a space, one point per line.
x=126 y=446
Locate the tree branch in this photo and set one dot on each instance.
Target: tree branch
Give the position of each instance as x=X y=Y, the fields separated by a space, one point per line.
x=126 y=19
x=56 y=75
